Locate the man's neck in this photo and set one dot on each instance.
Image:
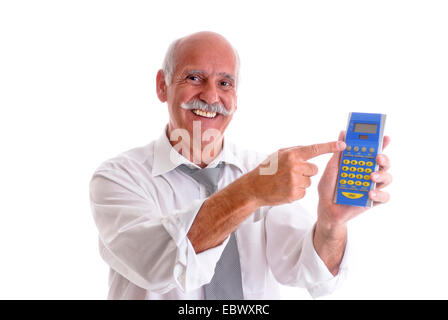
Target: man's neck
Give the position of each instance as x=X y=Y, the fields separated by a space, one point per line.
x=194 y=148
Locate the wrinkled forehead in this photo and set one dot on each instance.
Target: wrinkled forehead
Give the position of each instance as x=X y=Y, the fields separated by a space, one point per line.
x=211 y=55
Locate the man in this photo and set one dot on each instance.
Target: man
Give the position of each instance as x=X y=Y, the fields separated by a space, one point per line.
x=165 y=235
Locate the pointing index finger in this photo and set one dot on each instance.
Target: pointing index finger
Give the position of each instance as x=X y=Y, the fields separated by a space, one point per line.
x=314 y=150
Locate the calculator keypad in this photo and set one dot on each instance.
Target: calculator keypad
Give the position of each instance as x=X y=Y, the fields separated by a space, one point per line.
x=356 y=169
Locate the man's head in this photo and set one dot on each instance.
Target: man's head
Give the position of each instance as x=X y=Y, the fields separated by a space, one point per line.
x=198 y=81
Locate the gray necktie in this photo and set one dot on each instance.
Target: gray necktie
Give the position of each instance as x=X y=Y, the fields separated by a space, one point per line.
x=226 y=283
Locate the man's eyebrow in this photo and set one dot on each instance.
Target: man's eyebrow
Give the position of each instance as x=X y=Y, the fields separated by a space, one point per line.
x=195 y=72
x=227 y=75
x=222 y=74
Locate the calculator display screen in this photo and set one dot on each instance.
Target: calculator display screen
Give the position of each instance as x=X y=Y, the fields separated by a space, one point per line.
x=365 y=127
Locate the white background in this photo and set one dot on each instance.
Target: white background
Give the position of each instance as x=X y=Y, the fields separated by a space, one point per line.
x=77 y=86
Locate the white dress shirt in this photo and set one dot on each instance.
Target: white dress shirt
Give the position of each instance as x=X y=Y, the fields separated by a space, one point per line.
x=143 y=209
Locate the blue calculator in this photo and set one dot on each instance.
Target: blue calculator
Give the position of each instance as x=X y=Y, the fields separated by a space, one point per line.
x=364 y=140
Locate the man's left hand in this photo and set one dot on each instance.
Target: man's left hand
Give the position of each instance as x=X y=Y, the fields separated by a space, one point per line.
x=332 y=215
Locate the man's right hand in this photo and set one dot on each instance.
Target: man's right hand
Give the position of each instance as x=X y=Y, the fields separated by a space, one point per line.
x=293 y=175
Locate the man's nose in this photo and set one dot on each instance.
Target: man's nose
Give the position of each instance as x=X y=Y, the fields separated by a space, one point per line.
x=209 y=93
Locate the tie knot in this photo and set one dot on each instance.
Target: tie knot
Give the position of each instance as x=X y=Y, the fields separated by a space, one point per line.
x=208 y=177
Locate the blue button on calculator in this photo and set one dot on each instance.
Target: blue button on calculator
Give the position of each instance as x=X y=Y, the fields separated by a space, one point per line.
x=364 y=140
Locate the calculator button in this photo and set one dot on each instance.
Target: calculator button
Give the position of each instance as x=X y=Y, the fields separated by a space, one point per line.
x=354 y=162
x=369 y=163
x=352 y=169
x=351 y=175
x=342 y=181
x=356 y=149
x=366 y=177
x=363 y=149
x=344 y=175
x=366 y=184
x=361 y=163
x=345 y=161
x=345 y=168
x=368 y=170
x=372 y=150
x=350 y=182
x=359 y=176
x=358 y=183
x=361 y=169
x=352 y=195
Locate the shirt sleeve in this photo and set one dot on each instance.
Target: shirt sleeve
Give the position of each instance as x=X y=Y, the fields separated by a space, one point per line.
x=148 y=247
x=291 y=254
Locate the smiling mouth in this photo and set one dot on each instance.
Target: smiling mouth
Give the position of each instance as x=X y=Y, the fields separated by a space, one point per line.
x=204 y=114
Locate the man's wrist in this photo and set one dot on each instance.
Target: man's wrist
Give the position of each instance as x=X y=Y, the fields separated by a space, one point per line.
x=330 y=231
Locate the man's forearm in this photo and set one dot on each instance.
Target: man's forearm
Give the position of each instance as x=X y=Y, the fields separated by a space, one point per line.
x=329 y=243
x=221 y=214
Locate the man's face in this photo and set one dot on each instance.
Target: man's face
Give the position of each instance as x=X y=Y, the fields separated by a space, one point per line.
x=205 y=71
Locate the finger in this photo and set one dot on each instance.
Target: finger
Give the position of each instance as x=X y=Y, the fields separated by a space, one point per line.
x=386 y=141
x=383 y=161
x=309 y=169
x=379 y=196
x=385 y=178
x=304 y=182
x=318 y=149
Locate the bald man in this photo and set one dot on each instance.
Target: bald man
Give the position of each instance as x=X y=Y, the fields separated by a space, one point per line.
x=192 y=216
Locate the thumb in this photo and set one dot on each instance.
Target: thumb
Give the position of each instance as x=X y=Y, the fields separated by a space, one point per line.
x=329 y=177
x=334 y=161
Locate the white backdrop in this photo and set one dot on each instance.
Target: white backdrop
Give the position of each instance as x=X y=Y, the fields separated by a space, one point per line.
x=77 y=86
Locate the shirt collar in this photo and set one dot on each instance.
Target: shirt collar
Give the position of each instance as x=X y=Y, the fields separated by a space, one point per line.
x=166 y=158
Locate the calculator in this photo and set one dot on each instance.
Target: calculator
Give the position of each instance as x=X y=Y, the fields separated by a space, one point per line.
x=364 y=140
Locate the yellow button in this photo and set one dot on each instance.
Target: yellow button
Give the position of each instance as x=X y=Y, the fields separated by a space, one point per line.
x=342 y=181
x=345 y=161
x=361 y=169
x=363 y=149
x=359 y=176
x=350 y=182
x=372 y=150
x=352 y=195
x=369 y=163
x=351 y=175
x=352 y=169
x=366 y=177
x=368 y=170
x=365 y=184
x=348 y=148
x=354 y=162
x=356 y=149
x=344 y=175
x=362 y=163
x=358 y=183
x=344 y=168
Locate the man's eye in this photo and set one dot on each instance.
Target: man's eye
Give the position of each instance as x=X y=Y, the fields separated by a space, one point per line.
x=193 y=78
x=225 y=84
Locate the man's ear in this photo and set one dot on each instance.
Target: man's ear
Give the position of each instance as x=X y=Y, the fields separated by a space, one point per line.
x=161 y=86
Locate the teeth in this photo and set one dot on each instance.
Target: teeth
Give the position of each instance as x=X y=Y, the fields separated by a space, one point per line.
x=204 y=114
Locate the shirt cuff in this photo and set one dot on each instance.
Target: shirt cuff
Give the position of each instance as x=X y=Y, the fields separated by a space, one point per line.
x=322 y=280
x=191 y=271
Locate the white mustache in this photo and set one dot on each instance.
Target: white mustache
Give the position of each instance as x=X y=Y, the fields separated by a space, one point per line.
x=201 y=105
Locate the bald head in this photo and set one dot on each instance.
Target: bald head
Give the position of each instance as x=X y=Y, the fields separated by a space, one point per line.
x=199 y=41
